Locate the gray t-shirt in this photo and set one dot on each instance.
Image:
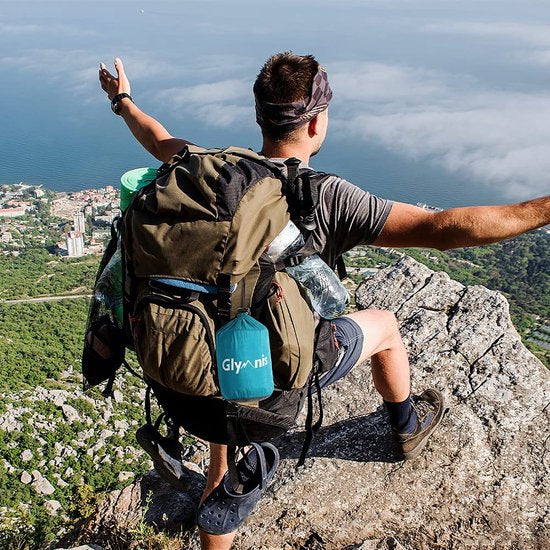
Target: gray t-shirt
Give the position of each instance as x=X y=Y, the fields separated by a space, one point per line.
x=347 y=216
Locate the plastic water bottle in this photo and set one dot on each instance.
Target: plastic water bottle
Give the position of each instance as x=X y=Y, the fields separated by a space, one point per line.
x=108 y=289
x=327 y=294
x=325 y=291
x=287 y=242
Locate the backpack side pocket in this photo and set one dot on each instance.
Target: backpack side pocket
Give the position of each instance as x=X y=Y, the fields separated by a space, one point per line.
x=103 y=351
x=291 y=332
x=176 y=347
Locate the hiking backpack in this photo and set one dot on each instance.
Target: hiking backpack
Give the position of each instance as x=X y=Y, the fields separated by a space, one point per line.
x=191 y=246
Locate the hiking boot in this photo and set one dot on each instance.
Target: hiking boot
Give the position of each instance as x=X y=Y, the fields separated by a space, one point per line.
x=430 y=409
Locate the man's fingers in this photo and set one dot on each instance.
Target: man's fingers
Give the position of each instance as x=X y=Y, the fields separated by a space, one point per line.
x=119 y=66
x=123 y=82
x=105 y=74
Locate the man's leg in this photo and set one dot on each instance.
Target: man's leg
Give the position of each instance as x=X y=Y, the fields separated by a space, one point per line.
x=216 y=471
x=383 y=344
x=375 y=334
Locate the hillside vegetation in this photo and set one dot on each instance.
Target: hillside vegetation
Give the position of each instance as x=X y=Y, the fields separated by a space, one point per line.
x=35 y=272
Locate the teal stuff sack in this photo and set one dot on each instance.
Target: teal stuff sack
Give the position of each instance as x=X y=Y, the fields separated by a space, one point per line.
x=244 y=360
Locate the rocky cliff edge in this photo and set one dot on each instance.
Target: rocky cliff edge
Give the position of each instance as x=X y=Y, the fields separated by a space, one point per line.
x=480 y=483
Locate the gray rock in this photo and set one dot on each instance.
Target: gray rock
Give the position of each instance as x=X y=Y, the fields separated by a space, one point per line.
x=125 y=476
x=481 y=482
x=58 y=397
x=9 y=421
x=42 y=486
x=26 y=455
x=121 y=425
x=10 y=469
x=26 y=478
x=149 y=499
x=70 y=413
x=60 y=482
x=118 y=397
x=52 y=507
x=83 y=547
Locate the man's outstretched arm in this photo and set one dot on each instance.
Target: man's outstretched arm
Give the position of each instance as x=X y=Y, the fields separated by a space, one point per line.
x=412 y=226
x=148 y=131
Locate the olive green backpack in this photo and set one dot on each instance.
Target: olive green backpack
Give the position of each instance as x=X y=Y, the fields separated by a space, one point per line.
x=192 y=244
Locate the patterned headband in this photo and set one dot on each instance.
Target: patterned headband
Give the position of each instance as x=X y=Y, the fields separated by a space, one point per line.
x=288 y=116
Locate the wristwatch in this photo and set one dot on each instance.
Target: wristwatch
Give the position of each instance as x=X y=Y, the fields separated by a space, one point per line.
x=115 y=102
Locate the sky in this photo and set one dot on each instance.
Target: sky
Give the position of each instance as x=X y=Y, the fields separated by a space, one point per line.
x=440 y=101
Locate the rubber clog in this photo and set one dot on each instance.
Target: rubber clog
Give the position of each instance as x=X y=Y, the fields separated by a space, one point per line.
x=224 y=510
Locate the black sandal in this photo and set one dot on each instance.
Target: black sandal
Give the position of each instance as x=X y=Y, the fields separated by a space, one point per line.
x=167 y=456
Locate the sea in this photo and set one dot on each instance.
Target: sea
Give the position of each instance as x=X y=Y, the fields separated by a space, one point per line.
x=418 y=88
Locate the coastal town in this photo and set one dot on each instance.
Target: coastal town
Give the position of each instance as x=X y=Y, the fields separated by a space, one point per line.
x=78 y=223
x=70 y=224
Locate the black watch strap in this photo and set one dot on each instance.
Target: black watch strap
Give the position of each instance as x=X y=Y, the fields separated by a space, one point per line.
x=115 y=102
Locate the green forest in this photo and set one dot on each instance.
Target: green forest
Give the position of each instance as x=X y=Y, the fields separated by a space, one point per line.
x=38 y=340
x=35 y=272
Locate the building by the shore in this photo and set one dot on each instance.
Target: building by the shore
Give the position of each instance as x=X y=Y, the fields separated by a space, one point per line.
x=75 y=244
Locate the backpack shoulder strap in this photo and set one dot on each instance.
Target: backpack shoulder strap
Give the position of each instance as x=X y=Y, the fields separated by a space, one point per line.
x=341 y=268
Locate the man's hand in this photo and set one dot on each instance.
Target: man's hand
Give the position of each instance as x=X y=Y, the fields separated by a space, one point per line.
x=148 y=131
x=114 y=85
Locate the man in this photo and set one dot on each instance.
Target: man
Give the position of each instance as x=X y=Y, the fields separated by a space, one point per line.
x=292 y=96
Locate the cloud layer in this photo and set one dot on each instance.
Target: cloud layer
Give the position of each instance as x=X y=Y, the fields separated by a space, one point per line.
x=499 y=138
x=496 y=137
x=533 y=36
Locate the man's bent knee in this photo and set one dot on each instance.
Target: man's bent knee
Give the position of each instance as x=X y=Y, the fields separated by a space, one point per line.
x=380 y=330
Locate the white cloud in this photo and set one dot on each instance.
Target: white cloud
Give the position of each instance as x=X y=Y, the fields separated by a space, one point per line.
x=531 y=33
x=77 y=70
x=537 y=57
x=56 y=30
x=73 y=66
x=382 y=83
x=219 y=104
x=19 y=29
x=223 y=115
x=499 y=138
x=222 y=91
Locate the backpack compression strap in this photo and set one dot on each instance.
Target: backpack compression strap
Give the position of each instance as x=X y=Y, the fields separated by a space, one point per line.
x=341 y=268
x=224 y=298
x=302 y=193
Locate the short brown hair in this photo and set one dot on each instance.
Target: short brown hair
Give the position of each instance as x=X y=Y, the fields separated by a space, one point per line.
x=285 y=78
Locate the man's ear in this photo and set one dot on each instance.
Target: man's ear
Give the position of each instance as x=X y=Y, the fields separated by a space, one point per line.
x=313 y=126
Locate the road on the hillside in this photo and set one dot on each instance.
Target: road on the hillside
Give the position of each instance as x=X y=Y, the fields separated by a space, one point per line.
x=46 y=299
